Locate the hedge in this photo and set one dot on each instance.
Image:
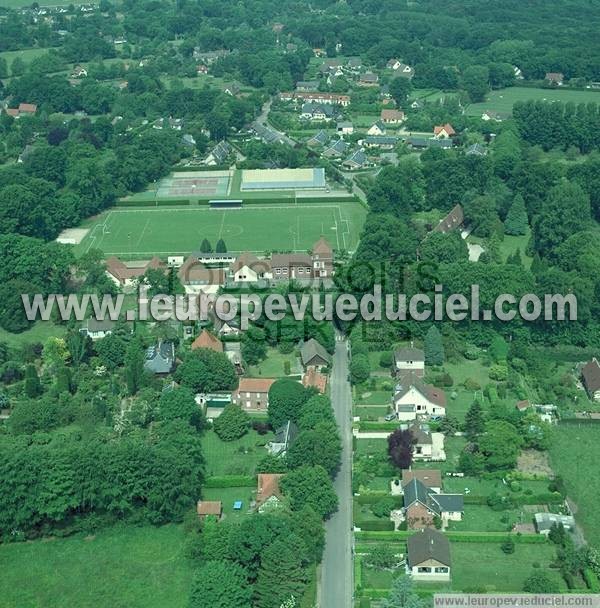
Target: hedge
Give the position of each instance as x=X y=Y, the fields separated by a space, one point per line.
x=548 y=498
x=383 y=525
x=591 y=580
x=357 y=573
x=171 y=202
x=152 y=203
x=231 y=481
x=377 y=426
x=371 y=498
x=458 y=537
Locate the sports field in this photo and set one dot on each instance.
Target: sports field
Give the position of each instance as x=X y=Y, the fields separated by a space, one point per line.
x=502 y=101
x=258 y=228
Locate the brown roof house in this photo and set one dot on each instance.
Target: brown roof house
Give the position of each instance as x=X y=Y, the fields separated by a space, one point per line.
x=392 y=117
x=428 y=557
x=206 y=508
x=268 y=494
x=452 y=221
x=322 y=259
x=207 y=340
x=430 y=478
x=314 y=378
x=253 y=394
x=196 y=277
x=443 y=131
x=414 y=399
x=423 y=504
x=314 y=354
x=126 y=274
x=557 y=78
x=591 y=379
x=522 y=405
x=291 y=266
x=407 y=360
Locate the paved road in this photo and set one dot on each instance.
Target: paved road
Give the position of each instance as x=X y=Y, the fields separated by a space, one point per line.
x=336 y=583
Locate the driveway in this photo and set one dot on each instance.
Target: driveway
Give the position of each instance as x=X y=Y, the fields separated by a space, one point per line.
x=336 y=583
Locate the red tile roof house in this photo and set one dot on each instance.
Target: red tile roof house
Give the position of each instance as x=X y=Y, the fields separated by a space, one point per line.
x=252 y=394
x=268 y=494
x=392 y=117
x=322 y=258
x=24 y=108
x=207 y=340
x=591 y=379
x=125 y=274
x=206 y=508
x=522 y=405
x=314 y=378
x=443 y=131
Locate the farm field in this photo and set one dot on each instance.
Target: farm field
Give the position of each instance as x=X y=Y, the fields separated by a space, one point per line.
x=136 y=567
x=27 y=55
x=574 y=455
x=502 y=101
x=162 y=231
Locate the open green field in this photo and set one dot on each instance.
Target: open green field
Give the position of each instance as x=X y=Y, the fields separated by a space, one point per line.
x=274 y=365
x=162 y=231
x=486 y=565
x=502 y=101
x=27 y=55
x=238 y=457
x=124 y=567
x=574 y=454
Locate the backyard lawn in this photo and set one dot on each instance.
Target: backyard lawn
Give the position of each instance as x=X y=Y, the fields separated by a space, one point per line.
x=273 y=365
x=228 y=496
x=574 y=454
x=39 y=332
x=238 y=457
x=477 y=565
x=123 y=567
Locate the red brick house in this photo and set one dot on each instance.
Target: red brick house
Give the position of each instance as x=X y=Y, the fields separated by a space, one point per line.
x=253 y=393
x=322 y=258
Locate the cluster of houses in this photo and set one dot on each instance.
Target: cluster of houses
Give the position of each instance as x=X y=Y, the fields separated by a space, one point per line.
x=208 y=272
x=23 y=109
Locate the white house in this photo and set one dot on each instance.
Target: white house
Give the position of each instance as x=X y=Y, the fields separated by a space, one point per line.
x=376 y=129
x=428 y=557
x=247 y=268
x=96 y=329
x=409 y=360
x=415 y=399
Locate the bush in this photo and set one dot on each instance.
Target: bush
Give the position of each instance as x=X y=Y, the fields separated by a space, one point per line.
x=471 y=385
x=384 y=525
x=232 y=424
x=386 y=359
x=499 y=373
x=383 y=507
x=231 y=481
x=508 y=546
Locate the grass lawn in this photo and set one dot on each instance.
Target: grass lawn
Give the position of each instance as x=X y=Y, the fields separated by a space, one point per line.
x=479 y=486
x=39 y=332
x=273 y=365
x=510 y=244
x=27 y=55
x=574 y=454
x=124 y=567
x=477 y=565
x=371 y=446
x=480 y=518
x=503 y=100
x=373 y=398
x=162 y=231
x=372 y=413
x=228 y=496
x=378 y=579
x=238 y=457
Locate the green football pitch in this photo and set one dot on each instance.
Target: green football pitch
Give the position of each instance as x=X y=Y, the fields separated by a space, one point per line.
x=164 y=231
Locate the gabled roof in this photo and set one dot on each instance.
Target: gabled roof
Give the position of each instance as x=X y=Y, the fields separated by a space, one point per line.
x=392 y=115
x=249 y=260
x=207 y=340
x=591 y=375
x=431 y=393
x=381 y=140
x=409 y=353
x=284 y=260
x=194 y=271
x=338 y=148
x=314 y=378
x=310 y=349
x=453 y=220
x=447 y=128
x=359 y=158
x=421 y=434
x=430 y=478
x=322 y=247
x=160 y=358
x=319 y=139
x=255 y=385
x=27 y=108
x=209 y=507
x=94 y=325
x=286 y=434
x=428 y=544
x=268 y=485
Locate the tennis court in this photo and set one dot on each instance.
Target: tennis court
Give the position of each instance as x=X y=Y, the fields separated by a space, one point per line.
x=165 y=231
x=188 y=184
